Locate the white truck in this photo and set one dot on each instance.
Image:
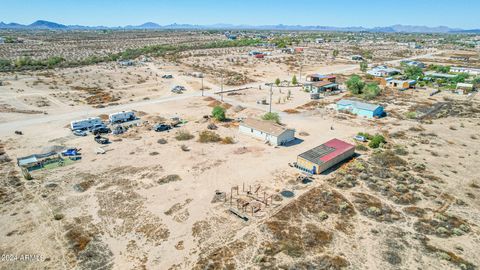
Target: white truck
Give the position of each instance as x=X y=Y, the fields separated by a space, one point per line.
x=88 y=123
x=121 y=117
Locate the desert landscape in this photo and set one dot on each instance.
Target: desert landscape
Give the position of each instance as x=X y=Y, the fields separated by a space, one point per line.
x=203 y=195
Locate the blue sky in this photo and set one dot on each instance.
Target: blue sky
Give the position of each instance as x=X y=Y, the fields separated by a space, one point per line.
x=452 y=13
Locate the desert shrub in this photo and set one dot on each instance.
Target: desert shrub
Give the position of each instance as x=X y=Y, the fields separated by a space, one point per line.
x=376 y=141
x=270 y=116
x=218 y=113
x=411 y=115
x=387 y=158
x=371 y=90
x=400 y=150
x=162 y=141
x=361 y=147
x=228 y=140
x=183 y=135
x=169 y=178
x=208 y=136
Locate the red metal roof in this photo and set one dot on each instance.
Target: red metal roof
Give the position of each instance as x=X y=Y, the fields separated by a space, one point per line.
x=339 y=146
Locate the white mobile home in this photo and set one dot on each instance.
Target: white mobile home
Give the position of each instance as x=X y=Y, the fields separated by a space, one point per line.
x=86 y=123
x=267 y=131
x=470 y=71
x=120 y=117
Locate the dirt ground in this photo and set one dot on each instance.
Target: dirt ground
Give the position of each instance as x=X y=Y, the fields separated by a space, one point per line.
x=155 y=202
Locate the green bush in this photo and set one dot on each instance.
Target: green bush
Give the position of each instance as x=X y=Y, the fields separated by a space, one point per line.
x=270 y=116
x=355 y=85
x=411 y=115
x=218 y=113
x=371 y=90
x=376 y=141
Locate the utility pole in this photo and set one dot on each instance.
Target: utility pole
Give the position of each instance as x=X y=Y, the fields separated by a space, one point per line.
x=301 y=66
x=221 y=89
x=202 y=84
x=270 y=103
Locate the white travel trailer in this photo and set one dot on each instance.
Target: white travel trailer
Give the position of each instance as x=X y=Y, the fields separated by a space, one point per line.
x=120 y=117
x=86 y=123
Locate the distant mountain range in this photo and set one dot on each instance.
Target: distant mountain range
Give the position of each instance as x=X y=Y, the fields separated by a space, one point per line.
x=46 y=25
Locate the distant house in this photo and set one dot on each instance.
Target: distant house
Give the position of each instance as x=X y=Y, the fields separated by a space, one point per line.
x=433 y=74
x=460 y=58
x=414 y=64
x=360 y=108
x=288 y=50
x=325 y=156
x=267 y=131
x=470 y=71
x=401 y=84
x=414 y=45
x=126 y=63
x=357 y=58
x=253 y=53
x=383 y=71
x=299 y=50
x=319 y=40
x=318 y=87
x=319 y=77
x=464 y=87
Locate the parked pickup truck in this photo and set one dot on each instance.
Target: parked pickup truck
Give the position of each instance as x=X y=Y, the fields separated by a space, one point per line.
x=101 y=140
x=101 y=130
x=161 y=127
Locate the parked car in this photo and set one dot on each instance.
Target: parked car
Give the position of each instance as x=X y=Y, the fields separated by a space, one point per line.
x=101 y=130
x=167 y=76
x=161 y=127
x=178 y=89
x=101 y=140
x=360 y=138
x=71 y=152
x=79 y=132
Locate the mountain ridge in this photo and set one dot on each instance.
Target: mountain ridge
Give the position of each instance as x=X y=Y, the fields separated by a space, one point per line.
x=398 y=28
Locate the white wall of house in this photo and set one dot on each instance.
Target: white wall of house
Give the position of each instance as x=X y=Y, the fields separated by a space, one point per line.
x=285 y=137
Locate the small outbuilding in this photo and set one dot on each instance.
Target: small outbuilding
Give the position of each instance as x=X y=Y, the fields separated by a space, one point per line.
x=267 y=131
x=321 y=78
x=37 y=161
x=401 y=84
x=320 y=87
x=360 y=108
x=325 y=156
x=465 y=88
x=383 y=71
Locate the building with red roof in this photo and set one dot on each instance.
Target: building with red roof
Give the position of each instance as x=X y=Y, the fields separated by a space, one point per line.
x=325 y=156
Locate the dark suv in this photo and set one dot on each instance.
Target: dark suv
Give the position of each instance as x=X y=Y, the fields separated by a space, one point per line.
x=161 y=127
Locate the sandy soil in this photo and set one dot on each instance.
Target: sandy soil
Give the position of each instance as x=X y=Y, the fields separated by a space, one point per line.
x=164 y=204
